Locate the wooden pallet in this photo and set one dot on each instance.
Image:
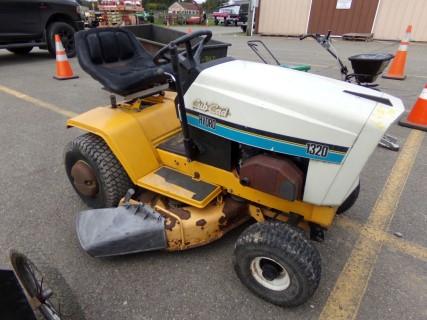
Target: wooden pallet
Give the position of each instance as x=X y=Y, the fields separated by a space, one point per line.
x=358 y=36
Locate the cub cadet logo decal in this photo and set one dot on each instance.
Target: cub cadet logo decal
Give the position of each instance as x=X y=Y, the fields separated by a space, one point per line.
x=212 y=108
x=316 y=149
x=207 y=122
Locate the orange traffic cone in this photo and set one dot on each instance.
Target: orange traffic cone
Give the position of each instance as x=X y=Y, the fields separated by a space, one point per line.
x=417 y=118
x=63 y=67
x=397 y=68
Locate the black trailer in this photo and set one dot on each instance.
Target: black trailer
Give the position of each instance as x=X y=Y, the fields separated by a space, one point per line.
x=153 y=38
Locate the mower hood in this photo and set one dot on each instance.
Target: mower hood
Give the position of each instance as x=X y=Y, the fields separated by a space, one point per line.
x=289 y=102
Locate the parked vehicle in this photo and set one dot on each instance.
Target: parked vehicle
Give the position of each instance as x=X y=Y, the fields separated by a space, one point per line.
x=227 y=15
x=25 y=24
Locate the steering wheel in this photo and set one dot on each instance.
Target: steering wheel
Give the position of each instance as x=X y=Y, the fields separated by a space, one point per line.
x=192 y=53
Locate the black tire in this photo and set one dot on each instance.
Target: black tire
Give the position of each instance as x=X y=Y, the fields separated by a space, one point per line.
x=22 y=50
x=281 y=253
x=63 y=300
x=350 y=201
x=66 y=32
x=111 y=179
x=216 y=22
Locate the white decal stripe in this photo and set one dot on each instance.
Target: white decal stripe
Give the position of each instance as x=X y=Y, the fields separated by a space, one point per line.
x=61 y=57
x=403 y=47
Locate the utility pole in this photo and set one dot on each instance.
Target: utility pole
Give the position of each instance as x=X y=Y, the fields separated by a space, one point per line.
x=251 y=17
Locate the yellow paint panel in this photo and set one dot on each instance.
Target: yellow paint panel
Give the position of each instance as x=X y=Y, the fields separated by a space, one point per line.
x=130 y=133
x=159 y=185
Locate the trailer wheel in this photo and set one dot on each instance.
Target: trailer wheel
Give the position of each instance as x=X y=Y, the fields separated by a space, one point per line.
x=94 y=172
x=276 y=262
x=350 y=201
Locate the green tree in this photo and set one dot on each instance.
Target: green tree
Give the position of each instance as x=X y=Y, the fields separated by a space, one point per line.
x=212 y=5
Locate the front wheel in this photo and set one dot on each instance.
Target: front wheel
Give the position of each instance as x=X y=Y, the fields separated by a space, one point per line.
x=66 y=32
x=277 y=263
x=94 y=172
x=349 y=201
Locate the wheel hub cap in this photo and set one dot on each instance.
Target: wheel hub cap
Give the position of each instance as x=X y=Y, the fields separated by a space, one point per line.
x=270 y=273
x=84 y=178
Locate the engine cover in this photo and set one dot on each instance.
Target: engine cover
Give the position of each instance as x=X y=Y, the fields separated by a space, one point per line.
x=334 y=124
x=275 y=175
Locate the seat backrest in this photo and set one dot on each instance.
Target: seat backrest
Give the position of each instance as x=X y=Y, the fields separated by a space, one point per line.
x=108 y=45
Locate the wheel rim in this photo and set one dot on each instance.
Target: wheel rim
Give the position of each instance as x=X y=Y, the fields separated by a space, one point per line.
x=270 y=274
x=84 y=178
x=67 y=38
x=33 y=282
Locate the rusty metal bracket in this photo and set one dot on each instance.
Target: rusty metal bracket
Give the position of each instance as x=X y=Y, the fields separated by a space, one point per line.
x=256 y=213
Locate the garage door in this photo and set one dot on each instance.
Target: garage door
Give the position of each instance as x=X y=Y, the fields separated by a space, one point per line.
x=342 y=16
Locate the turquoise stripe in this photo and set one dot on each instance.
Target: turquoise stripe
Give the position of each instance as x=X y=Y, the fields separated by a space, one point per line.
x=263 y=142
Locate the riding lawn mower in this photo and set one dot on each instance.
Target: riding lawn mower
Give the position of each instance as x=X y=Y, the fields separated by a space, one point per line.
x=188 y=151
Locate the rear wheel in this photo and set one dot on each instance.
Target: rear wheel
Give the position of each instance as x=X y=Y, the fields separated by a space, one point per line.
x=66 y=32
x=276 y=262
x=95 y=173
x=22 y=50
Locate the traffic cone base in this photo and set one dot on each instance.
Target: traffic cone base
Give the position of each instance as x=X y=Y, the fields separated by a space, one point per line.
x=65 y=78
x=404 y=122
x=397 y=67
x=394 y=77
x=417 y=117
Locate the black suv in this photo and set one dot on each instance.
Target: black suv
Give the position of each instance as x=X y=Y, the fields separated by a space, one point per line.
x=25 y=24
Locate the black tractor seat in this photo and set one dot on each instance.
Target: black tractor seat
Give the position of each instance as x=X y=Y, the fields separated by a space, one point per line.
x=115 y=58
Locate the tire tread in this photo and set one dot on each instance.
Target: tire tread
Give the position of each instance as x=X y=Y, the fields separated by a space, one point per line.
x=291 y=242
x=114 y=179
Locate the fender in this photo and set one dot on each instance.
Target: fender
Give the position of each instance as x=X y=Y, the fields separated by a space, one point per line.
x=132 y=133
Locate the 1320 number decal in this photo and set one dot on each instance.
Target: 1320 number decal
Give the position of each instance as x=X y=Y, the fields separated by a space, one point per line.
x=316 y=149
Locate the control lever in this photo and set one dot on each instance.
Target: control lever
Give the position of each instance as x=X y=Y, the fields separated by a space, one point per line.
x=129 y=194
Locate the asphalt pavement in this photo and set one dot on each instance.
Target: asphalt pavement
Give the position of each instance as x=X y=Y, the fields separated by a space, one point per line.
x=38 y=208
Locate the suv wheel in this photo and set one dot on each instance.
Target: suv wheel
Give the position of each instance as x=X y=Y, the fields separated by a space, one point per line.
x=66 y=32
x=23 y=50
